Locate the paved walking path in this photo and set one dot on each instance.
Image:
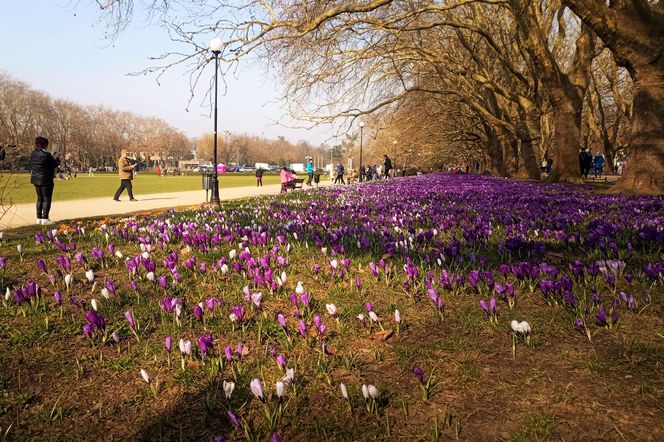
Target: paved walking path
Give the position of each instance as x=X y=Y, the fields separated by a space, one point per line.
x=24 y=214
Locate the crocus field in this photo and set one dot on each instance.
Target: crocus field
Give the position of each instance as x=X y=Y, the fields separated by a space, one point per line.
x=424 y=308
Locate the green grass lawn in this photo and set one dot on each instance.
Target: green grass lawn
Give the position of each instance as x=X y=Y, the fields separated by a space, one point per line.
x=17 y=187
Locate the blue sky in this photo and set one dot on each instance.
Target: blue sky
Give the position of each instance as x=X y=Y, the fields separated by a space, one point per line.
x=58 y=46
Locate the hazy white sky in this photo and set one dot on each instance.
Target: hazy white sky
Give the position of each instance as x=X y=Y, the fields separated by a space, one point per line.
x=58 y=46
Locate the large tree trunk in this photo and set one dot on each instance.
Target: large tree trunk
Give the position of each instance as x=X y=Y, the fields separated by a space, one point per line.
x=529 y=167
x=645 y=167
x=567 y=123
x=495 y=164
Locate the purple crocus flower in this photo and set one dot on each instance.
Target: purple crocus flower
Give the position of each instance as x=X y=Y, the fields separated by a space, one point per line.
x=95 y=319
x=368 y=307
x=303 y=328
x=234 y=420
x=281 y=319
x=304 y=299
x=316 y=268
x=281 y=361
x=130 y=319
x=228 y=352
x=417 y=371
x=42 y=265
x=275 y=438
x=358 y=282
x=484 y=306
x=87 y=330
x=168 y=343
x=601 y=316
x=163 y=282
x=198 y=312
x=492 y=306
x=58 y=297
x=238 y=311
x=3 y=262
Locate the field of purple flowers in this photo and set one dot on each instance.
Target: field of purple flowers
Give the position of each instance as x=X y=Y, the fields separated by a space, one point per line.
x=425 y=308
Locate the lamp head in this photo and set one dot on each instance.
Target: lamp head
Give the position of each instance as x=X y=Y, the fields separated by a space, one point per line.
x=216 y=45
x=361 y=123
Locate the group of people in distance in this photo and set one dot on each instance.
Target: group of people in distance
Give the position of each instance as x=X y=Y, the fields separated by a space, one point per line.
x=588 y=163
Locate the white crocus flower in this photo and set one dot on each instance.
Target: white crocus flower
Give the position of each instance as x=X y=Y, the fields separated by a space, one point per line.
x=145 y=375
x=93 y=303
x=373 y=392
x=373 y=316
x=150 y=276
x=145 y=255
x=224 y=269
x=68 y=279
x=280 y=389
x=228 y=388
x=365 y=391
x=283 y=277
x=118 y=254
x=397 y=316
x=334 y=263
x=331 y=309
x=525 y=327
x=299 y=289
x=232 y=254
x=105 y=293
x=344 y=392
x=8 y=294
x=90 y=275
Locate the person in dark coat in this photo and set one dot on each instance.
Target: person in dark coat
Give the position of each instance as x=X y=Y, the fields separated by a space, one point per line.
x=387 y=166
x=43 y=166
x=42 y=172
x=585 y=162
x=259 y=177
x=340 y=174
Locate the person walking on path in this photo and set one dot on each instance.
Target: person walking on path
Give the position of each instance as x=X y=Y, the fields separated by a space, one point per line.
x=126 y=172
x=598 y=163
x=259 y=177
x=387 y=166
x=585 y=162
x=310 y=171
x=340 y=174
x=42 y=172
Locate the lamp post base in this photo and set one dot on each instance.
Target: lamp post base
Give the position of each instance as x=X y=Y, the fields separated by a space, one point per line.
x=214 y=196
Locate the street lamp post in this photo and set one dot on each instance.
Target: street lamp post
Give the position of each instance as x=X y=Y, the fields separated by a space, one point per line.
x=361 y=140
x=216 y=45
x=394 y=143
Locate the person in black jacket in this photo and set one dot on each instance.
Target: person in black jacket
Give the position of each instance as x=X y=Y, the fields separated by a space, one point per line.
x=387 y=166
x=42 y=166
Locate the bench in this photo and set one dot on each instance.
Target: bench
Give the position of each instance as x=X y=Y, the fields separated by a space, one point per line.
x=294 y=184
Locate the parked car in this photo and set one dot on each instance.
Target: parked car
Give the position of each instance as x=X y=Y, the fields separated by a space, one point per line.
x=247 y=169
x=204 y=169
